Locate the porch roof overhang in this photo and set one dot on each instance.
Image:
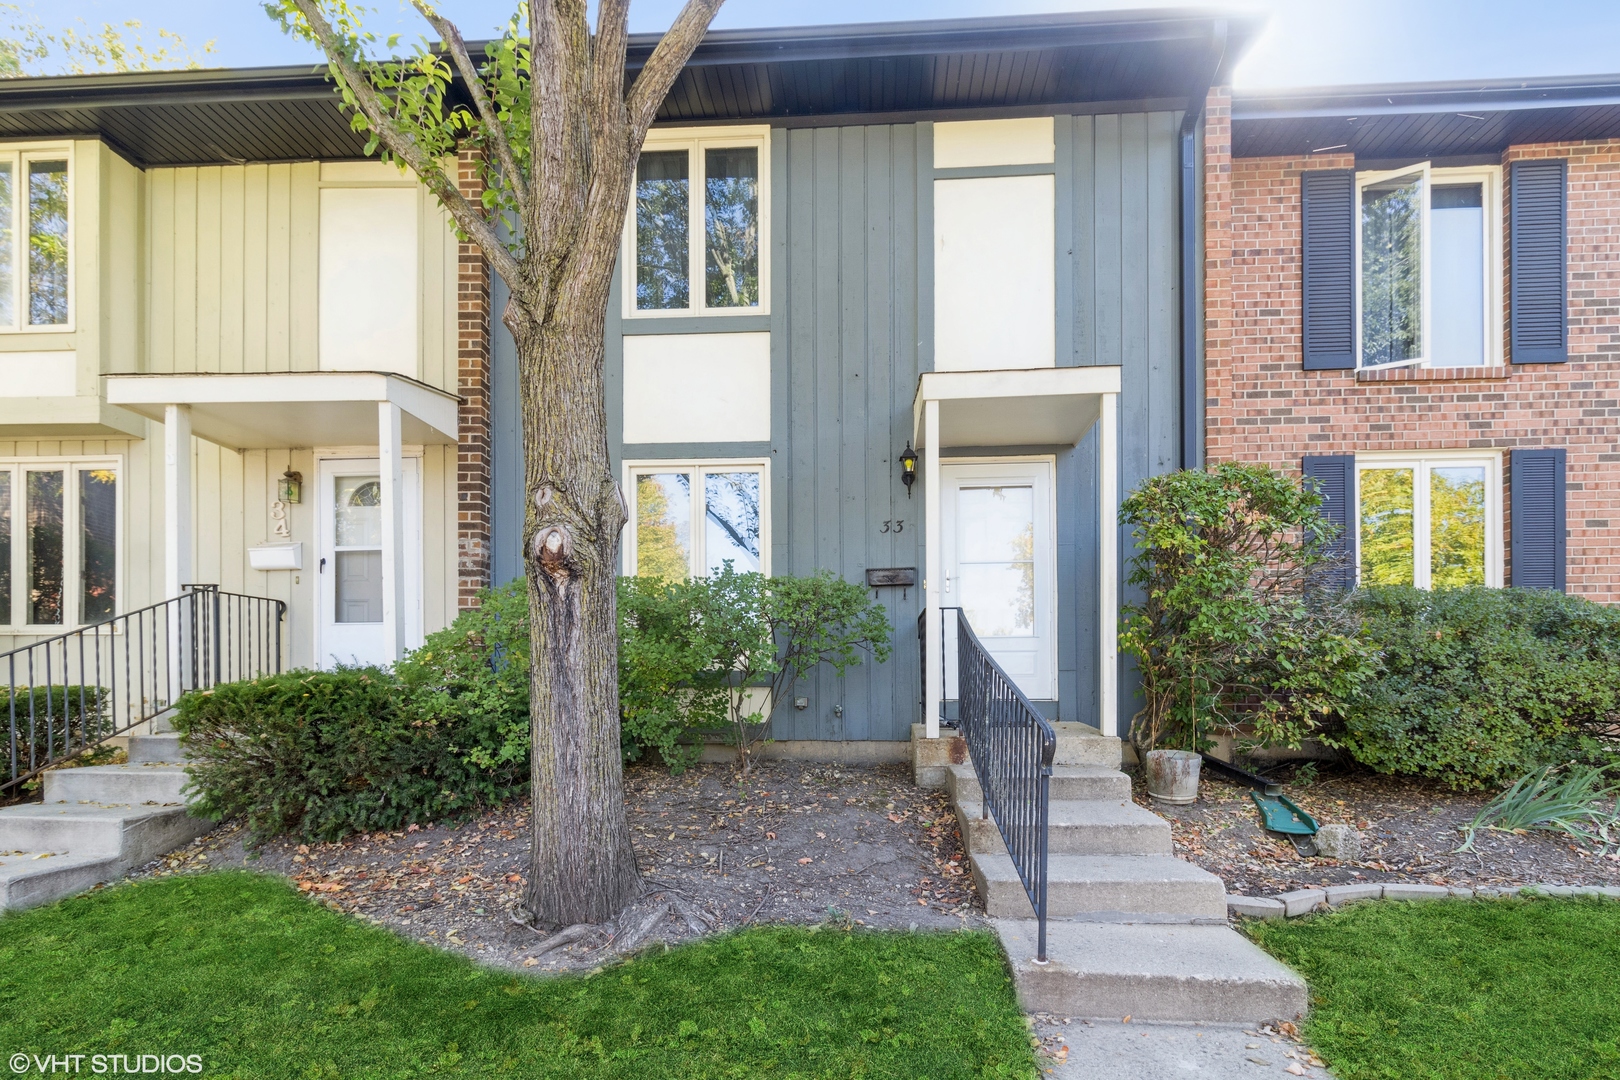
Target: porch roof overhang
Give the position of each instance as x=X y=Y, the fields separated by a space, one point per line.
x=293 y=408
x=1035 y=407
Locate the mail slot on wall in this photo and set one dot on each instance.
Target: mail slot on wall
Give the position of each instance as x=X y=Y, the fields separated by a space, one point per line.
x=892 y=575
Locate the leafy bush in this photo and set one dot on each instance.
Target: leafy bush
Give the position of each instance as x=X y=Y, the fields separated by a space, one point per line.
x=672 y=687
x=1481 y=685
x=321 y=754
x=49 y=719
x=1232 y=630
x=721 y=652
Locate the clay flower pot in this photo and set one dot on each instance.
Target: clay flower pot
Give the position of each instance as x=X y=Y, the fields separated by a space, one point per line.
x=1172 y=776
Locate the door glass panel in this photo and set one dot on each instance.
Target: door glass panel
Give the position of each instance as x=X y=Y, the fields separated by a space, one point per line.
x=664 y=525
x=358 y=511
x=1457 y=231
x=663 y=217
x=731 y=226
x=5 y=548
x=1392 y=270
x=47 y=243
x=98 y=540
x=1386 y=526
x=359 y=587
x=731 y=520
x=45 y=548
x=1457 y=525
x=995 y=559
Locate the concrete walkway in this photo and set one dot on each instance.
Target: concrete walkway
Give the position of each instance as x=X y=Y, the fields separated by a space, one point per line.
x=1109 y=1050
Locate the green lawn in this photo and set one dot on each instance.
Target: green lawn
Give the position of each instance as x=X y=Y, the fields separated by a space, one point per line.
x=260 y=982
x=1460 y=990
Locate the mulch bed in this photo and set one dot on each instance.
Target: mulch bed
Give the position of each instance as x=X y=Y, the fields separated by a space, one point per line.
x=801 y=843
x=1410 y=831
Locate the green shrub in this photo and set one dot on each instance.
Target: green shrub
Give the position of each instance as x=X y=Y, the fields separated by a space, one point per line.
x=321 y=754
x=48 y=720
x=1232 y=631
x=671 y=686
x=1481 y=685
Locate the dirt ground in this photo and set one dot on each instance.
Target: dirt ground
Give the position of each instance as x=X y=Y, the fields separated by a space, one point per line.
x=1410 y=831
x=802 y=843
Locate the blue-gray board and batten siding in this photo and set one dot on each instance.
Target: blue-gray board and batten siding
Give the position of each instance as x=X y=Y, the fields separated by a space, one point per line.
x=851 y=321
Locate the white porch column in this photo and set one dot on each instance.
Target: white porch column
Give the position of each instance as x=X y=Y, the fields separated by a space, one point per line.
x=391 y=473
x=1108 y=566
x=933 y=571
x=176 y=499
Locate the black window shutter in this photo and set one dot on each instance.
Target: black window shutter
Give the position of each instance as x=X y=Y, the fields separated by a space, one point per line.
x=1536 y=493
x=1328 y=201
x=1335 y=477
x=1538 y=311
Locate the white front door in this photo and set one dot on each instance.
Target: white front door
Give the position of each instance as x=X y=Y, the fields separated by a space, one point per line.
x=998 y=559
x=349 y=586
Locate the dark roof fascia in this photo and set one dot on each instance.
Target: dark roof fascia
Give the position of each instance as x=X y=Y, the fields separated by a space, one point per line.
x=944 y=37
x=913 y=116
x=125 y=90
x=1403 y=99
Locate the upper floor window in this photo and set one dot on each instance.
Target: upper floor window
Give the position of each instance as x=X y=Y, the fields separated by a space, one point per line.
x=697 y=229
x=58 y=542
x=1429 y=248
x=33 y=239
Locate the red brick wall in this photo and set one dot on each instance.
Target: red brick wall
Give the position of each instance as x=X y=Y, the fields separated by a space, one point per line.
x=1262 y=406
x=473 y=517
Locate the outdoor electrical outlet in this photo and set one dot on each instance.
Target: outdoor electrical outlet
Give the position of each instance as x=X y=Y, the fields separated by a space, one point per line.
x=801 y=703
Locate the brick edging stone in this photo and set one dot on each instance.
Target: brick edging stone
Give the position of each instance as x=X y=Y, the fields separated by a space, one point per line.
x=1304 y=901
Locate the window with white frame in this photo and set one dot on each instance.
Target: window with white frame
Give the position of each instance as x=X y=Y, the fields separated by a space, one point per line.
x=690 y=519
x=1433 y=521
x=58 y=541
x=34 y=239
x=697 y=230
x=1428 y=243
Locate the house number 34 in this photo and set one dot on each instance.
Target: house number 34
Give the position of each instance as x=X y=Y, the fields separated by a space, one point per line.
x=898 y=525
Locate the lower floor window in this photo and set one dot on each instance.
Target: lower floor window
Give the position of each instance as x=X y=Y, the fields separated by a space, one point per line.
x=691 y=519
x=1429 y=521
x=58 y=542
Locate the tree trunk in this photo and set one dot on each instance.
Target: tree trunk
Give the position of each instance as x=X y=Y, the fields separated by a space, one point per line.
x=583 y=866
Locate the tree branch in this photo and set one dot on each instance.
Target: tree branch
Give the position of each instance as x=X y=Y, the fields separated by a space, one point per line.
x=665 y=63
x=370 y=103
x=607 y=65
x=457 y=48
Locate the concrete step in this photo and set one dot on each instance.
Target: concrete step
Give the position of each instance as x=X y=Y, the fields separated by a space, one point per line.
x=135 y=833
x=1073 y=782
x=1183 y=973
x=1106 y=888
x=134 y=784
x=1076 y=827
x=29 y=878
x=1082 y=744
x=152 y=749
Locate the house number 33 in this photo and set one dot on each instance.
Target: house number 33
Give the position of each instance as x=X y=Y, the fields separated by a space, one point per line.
x=898 y=525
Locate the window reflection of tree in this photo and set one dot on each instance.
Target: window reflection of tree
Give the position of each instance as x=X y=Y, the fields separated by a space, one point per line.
x=1386 y=526
x=1457 y=526
x=1023 y=547
x=5 y=548
x=731 y=216
x=45 y=548
x=1391 y=272
x=98 y=513
x=662 y=233
x=731 y=503
x=661 y=547
x=47 y=243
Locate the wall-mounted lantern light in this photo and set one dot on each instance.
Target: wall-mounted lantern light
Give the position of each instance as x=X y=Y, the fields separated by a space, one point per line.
x=908 y=468
x=292 y=487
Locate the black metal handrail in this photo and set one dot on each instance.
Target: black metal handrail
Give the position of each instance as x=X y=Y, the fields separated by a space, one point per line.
x=72 y=691
x=1012 y=747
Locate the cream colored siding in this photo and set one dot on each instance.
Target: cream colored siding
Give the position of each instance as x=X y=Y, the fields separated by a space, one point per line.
x=233 y=270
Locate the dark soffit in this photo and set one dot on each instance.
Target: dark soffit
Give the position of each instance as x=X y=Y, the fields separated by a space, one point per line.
x=783 y=76
x=1426 y=120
